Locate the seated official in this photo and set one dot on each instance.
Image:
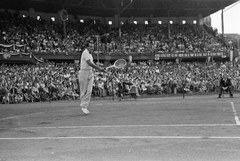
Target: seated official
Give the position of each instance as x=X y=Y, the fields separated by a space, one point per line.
x=123 y=88
x=225 y=85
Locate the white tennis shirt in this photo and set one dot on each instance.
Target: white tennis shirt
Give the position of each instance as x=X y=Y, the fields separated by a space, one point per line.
x=86 y=56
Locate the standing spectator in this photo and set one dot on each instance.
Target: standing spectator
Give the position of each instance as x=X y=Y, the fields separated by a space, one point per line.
x=3 y=93
x=13 y=93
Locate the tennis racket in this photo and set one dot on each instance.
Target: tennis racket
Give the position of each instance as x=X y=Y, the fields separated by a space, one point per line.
x=120 y=63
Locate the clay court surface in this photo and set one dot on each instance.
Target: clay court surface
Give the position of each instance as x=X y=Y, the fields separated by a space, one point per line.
x=197 y=128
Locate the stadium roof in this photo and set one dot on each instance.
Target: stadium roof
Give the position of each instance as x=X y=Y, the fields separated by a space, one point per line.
x=126 y=8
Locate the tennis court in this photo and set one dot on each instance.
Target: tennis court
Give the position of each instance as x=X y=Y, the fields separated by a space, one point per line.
x=201 y=127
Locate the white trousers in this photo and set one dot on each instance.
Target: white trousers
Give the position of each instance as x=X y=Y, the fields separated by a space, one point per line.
x=85 y=78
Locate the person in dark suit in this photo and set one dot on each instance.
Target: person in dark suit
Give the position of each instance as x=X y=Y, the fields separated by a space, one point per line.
x=225 y=85
x=3 y=93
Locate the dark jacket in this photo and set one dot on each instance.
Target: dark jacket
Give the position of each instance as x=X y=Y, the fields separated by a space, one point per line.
x=225 y=83
x=3 y=92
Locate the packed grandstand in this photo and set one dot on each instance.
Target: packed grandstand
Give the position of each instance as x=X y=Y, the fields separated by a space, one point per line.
x=56 y=79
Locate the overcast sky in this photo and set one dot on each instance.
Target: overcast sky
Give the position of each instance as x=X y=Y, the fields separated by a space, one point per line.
x=231 y=19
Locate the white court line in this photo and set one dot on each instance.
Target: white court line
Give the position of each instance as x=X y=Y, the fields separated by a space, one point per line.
x=8 y=118
x=235 y=114
x=17 y=116
x=123 y=137
x=124 y=126
x=148 y=101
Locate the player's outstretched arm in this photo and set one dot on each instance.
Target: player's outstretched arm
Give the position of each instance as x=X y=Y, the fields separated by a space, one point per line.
x=95 y=66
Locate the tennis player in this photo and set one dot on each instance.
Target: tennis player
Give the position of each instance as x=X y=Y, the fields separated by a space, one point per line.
x=86 y=78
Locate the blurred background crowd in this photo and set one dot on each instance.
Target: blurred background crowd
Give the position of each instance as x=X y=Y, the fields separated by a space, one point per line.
x=50 y=81
x=44 y=36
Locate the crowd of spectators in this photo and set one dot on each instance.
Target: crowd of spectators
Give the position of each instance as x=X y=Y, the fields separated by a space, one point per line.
x=45 y=36
x=32 y=83
x=50 y=81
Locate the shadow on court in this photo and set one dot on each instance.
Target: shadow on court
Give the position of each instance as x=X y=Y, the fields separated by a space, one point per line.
x=165 y=128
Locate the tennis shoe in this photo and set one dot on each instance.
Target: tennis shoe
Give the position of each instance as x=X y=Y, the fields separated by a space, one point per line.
x=85 y=111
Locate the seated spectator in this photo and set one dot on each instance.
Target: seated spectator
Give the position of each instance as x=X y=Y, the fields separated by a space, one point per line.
x=43 y=92
x=35 y=93
x=53 y=91
x=71 y=94
x=18 y=98
x=26 y=94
